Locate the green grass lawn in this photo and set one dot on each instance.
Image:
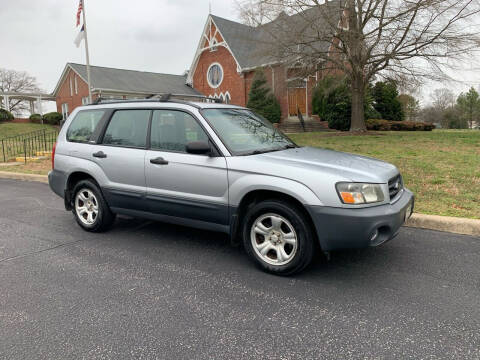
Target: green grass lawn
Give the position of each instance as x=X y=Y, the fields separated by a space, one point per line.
x=441 y=167
x=11 y=129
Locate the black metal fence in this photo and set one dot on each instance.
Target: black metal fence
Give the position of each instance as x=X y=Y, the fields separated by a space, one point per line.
x=28 y=145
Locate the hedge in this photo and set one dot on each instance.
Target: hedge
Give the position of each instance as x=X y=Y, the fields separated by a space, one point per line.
x=387 y=125
x=53 y=118
x=36 y=118
x=5 y=115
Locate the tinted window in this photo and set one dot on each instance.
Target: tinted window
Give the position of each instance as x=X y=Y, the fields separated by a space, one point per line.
x=172 y=130
x=128 y=128
x=84 y=124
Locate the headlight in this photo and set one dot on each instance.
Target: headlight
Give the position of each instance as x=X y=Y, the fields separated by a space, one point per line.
x=360 y=193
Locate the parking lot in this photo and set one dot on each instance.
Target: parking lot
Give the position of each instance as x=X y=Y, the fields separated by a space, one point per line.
x=151 y=290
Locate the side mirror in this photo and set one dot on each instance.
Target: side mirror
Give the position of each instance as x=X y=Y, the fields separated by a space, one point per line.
x=199 y=148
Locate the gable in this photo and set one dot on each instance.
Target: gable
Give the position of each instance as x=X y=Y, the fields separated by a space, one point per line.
x=210 y=39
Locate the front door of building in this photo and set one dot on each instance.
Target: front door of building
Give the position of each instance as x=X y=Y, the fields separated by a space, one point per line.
x=297 y=100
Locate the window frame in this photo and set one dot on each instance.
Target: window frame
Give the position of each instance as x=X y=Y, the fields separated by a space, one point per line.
x=95 y=132
x=65 y=110
x=104 y=122
x=216 y=152
x=107 y=123
x=208 y=78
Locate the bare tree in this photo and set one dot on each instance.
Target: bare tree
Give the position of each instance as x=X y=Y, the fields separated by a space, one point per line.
x=17 y=81
x=373 y=38
x=442 y=99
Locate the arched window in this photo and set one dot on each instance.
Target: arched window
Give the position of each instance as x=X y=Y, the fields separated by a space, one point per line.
x=215 y=75
x=227 y=98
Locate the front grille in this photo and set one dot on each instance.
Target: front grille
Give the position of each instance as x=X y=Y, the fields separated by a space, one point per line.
x=395 y=185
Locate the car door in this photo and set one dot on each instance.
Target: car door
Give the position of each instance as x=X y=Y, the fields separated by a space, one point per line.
x=180 y=184
x=121 y=156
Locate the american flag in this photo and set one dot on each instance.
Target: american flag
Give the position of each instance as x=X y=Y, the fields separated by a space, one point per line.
x=79 y=11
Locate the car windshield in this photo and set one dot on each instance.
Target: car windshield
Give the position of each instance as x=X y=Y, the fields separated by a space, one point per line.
x=245 y=133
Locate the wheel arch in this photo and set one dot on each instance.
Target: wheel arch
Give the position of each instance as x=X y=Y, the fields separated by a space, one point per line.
x=255 y=196
x=74 y=178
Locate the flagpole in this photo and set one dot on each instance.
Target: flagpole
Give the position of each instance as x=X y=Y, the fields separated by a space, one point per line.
x=86 y=52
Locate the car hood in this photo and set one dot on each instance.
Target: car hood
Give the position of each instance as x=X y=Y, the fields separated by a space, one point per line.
x=344 y=165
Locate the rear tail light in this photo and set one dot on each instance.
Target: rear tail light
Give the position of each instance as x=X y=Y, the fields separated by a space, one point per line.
x=53 y=155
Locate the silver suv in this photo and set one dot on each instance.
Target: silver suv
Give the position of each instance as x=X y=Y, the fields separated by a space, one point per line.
x=224 y=168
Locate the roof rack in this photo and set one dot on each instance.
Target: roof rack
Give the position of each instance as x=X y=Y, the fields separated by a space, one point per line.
x=159 y=98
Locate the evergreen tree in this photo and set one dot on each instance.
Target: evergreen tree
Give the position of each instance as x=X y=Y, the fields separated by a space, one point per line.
x=469 y=106
x=385 y=96
x=262 y=100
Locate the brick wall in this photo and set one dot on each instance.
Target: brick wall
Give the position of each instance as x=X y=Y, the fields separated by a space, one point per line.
x=232 y=81
x=64 y=95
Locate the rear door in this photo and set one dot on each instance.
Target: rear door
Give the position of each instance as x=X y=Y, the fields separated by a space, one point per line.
x=180 y=184
x=121 y=156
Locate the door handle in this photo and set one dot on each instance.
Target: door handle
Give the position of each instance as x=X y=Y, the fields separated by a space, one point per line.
x=159 y=161
x=100 y=154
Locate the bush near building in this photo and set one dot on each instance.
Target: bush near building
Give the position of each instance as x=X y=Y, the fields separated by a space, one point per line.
x=52 y=118
x=262 y=100
x=36 y=118
x=5 y=115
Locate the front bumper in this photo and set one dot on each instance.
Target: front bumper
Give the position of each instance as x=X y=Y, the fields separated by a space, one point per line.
x=343 y=228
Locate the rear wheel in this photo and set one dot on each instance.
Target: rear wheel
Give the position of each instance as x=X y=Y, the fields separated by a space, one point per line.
x=90 y=208
x=278 y=237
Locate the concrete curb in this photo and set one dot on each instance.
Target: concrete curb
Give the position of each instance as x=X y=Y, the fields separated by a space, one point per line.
x=24 y=177
x=431 y=222
x=445 y=223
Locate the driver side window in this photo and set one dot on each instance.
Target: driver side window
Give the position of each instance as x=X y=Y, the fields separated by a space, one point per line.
x=172 y=130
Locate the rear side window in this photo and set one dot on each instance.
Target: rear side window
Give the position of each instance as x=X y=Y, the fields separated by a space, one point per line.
x=83 y=125
x=128 y=128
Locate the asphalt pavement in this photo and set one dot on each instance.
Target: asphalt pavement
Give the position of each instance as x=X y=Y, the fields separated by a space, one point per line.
x=148 y=290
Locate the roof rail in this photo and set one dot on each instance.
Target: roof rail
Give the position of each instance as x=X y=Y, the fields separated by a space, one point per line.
x=162 y=98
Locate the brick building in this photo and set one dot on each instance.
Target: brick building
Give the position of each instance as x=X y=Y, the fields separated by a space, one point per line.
x=229 y=53
x=72 y=90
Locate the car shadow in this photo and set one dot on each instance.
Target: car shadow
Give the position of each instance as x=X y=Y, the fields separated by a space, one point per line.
x=346 y=265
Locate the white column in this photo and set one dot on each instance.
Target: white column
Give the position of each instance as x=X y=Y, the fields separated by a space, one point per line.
x=39 y=105
x=32 y=107
x=7 y=102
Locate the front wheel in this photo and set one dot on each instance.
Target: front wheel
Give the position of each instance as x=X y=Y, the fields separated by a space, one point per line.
x=278 y=237
x=90 y=208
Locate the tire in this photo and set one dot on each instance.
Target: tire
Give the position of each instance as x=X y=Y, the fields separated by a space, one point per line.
x=272 y=225
x=90 y=208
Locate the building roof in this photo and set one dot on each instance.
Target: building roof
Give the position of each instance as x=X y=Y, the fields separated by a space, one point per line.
x=130 y=81
x=255 y=46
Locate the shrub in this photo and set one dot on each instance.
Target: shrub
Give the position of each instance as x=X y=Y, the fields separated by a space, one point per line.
x=52 y=118
x=385 y=96
x=5 y=115
x=36 y=118
x=389 y=125
x=332 y=101
x=261 y=99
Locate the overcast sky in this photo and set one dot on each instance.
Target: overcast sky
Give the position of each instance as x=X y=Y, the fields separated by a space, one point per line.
x=147 y=35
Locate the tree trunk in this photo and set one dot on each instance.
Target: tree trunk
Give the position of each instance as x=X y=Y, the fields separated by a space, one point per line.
x=358 y=106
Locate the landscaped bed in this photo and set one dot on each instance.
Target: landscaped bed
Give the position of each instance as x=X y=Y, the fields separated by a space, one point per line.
x=441 y=167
